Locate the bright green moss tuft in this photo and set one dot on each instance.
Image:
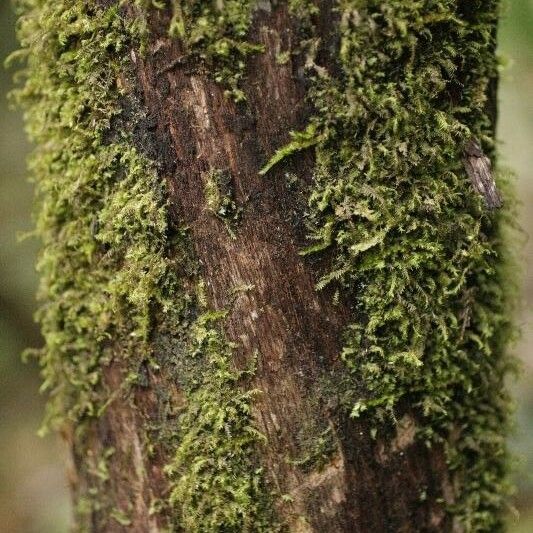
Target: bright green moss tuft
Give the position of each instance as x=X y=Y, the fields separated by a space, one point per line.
x=216 y=485
x=217 y=34
x=415 y=248
x=301 y=140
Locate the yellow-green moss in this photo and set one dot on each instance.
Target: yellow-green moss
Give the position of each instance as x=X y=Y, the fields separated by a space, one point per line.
x=316 y=447
x=218 y=192
x=110 y=270
x=417 y=253
x=300 y=8
x=216 y=33
x=415 y=249
x=101 y=206
x=216 y=484
x=215 y=37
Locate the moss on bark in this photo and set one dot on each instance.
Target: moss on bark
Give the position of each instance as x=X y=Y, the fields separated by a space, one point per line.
x=415 y=246
x=415 y=250
x=109 y=266
x=215 y=35
x=101 y=208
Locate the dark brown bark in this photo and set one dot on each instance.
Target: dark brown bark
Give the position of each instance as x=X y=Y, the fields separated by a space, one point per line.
x=366 y=485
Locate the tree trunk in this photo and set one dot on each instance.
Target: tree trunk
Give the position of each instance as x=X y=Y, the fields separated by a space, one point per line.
x=249 y=329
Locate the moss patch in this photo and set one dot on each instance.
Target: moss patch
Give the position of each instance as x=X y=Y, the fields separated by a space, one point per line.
x=101 y=206
x=415 y=248
x=111 y=268
x=316 y=445
x=216 y=33
x=216 y=485
x=219 y=196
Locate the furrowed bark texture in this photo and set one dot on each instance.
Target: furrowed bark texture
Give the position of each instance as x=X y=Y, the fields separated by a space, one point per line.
x=295 y=330
x=318 y=468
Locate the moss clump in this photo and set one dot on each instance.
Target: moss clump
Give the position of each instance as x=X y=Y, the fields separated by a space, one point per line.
x=317 y=446
x=218 y=190
x=414 y=246
x=216 y=34
x=101 y=206
x=215 y=484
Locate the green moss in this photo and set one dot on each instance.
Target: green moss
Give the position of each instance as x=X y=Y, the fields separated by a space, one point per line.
x=218 y=191
x=121 y=517
x=214 y=36
x=415 y=248
x=111 y=268
x=216 y=485
x=316 y=445
x=304 y=12
x=101 y=206
x=299 y=8
x=217 y=34
x=282 y=58
x=300 y=141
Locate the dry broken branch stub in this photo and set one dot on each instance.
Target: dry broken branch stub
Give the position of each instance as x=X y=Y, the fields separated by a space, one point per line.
x=479 y=170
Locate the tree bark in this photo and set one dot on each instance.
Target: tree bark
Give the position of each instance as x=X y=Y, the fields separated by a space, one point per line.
x=321 y=468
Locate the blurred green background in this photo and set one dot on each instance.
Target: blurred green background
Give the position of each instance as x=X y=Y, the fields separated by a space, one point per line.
x=33 y=491
x=516 y=137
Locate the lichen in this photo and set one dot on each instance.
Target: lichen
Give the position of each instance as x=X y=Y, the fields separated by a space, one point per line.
x=415 y=249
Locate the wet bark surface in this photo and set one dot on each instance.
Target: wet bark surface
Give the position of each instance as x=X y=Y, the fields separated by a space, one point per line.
x=365 y=485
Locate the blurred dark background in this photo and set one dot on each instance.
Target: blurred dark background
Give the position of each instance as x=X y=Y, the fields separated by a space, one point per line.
x=33 y=491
